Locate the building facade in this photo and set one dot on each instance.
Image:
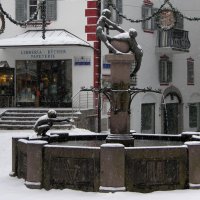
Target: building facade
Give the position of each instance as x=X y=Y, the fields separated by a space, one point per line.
x=49 y=72
x=44 y=72
x=170 y=63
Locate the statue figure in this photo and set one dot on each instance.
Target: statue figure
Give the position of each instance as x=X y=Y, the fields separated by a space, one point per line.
x=134 y=47
x=45 y=122
x=103 y=23
x=125 y=39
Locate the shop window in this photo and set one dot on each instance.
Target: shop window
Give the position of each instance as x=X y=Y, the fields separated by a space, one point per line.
x=190 y=71
x=26 y=82
x=44 y=83
x=25 y=9
x=194 y=115
x=147 y=11
x=6 y=80
x=165 y=70
x=115 y=16
x=148 y=118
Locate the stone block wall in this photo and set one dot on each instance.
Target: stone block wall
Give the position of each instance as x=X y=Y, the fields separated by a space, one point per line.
x=158 y=168
x=139 y=169
x=70 y=167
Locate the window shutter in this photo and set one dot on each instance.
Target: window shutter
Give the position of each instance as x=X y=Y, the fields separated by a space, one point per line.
x=119 y=7
x=179 y=21
x=160 y=71
x=154 y=20
x=143 y=16
x=169 y=71
x=51 y=11
x=21 y=10
x=105 y=4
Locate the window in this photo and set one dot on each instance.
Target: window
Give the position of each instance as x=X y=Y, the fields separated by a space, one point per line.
x=179 y=22
x=190 y=71
x=43 y=83
x=194 y=115
x=147 y=11
x=6 y=80
x=148 y=118
x=118 y=3
x=32 y=8
x=165 y=70
x=25 y=8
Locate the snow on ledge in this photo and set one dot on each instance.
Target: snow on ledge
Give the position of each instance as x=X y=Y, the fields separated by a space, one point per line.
x=112 y=145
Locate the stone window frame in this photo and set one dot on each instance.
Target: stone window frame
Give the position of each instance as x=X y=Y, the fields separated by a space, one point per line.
x=148 y=26
x=165 y=70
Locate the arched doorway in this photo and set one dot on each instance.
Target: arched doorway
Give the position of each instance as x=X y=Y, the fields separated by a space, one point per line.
x=171 y=111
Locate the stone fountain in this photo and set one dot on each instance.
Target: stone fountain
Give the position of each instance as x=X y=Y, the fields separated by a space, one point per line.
x=118 y=161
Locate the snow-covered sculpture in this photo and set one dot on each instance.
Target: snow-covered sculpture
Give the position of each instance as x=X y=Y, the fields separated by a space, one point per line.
x=45 y=122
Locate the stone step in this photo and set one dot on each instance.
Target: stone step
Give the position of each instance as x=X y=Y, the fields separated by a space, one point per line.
x=19 y=114
x=25 y=118
x=26 y=122
x=29 y=127
x=40 y=110
x=28 y=118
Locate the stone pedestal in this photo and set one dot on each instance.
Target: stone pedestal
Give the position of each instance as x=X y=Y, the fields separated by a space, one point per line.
x=112 y=168
x=194 y=164
x=120 y=98
x=34 y=164
x=15 y=155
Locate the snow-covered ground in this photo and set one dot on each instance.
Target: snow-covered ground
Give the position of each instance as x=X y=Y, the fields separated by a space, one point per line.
x=14 y=188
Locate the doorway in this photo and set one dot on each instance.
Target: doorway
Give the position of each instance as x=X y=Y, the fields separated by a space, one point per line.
x=171 y=118
x=171 y=111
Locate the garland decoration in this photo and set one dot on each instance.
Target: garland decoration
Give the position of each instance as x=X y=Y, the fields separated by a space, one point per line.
x=2 y=28
x=159 y=13
x=41 y=6
x=20 y=23
x=43 y=16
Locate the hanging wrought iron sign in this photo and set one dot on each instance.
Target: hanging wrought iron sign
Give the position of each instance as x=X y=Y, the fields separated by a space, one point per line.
x=2 y=23
x=166 y=19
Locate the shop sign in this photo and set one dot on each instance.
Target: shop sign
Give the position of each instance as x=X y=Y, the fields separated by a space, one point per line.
x=106 y=65
x=82 y=61
x=42 y=53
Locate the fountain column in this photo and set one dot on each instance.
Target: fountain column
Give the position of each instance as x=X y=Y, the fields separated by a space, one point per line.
x=35 y=164
x=120 y=97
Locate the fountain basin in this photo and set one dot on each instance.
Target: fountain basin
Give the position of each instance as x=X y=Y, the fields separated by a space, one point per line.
x=88 y=163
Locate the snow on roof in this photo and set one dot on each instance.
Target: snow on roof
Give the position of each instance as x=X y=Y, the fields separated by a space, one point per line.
x=59 y=37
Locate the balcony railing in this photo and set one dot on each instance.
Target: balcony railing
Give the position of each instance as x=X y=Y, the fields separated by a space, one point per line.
x=175 y=39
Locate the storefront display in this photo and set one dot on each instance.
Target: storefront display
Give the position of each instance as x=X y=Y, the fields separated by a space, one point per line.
x=6 y=81
x=44 y=83
x=6 y=85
